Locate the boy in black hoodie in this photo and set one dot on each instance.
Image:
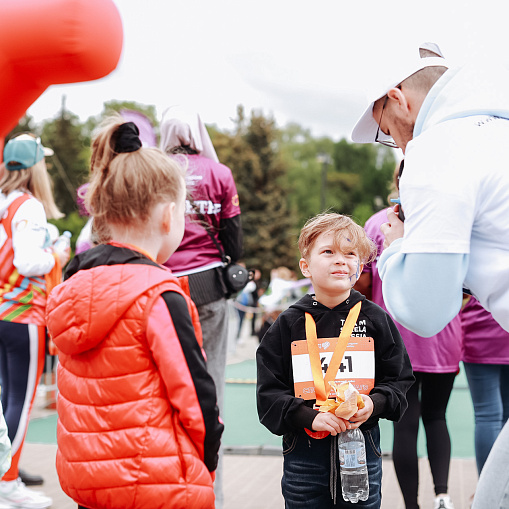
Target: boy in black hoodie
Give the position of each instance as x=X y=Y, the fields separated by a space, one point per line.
x=375 y=361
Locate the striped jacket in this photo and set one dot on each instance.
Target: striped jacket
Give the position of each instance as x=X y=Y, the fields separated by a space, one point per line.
x=23 y=259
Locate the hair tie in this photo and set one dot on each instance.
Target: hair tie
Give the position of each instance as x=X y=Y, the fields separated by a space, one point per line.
x=127 y=138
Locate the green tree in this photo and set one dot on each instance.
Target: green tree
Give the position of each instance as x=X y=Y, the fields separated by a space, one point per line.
x=343 y=177
x=252 y=152
x=308 y=160
x=363 y=174
x=69 y=165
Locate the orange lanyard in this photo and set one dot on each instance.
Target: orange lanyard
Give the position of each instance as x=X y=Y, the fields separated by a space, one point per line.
x=321 y=382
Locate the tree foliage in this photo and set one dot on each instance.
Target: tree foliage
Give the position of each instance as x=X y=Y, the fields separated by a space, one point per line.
x=284 y=176
x=68 y=167
x=259 y=172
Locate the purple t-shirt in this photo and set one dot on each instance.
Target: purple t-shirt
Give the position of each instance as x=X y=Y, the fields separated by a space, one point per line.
x=484 y=341
x=438 y=354
x=213 y=191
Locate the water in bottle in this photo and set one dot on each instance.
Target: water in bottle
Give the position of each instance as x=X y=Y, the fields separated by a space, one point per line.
x=353 y=467
x=63 y=242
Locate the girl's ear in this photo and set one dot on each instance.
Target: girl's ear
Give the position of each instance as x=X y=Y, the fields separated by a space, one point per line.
x=304 y=267
x=167 y=216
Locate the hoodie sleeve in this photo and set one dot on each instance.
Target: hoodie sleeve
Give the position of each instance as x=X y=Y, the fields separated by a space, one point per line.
x=393 y=370
x=28 y=239
x=190 y=388
x=278 y=409
x=414 y=282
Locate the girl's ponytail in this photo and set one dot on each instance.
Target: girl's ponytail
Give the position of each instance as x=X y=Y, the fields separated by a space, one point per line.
x=127 y=180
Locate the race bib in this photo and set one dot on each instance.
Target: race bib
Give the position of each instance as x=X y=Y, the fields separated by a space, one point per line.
x=357 y=365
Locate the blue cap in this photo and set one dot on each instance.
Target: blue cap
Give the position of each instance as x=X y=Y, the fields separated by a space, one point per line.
x=23 y=152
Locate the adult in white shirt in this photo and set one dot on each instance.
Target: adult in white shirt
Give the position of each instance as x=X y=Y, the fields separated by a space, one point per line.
x=452 y=125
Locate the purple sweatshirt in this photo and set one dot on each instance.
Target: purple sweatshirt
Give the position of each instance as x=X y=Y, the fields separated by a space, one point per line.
x=479 y=326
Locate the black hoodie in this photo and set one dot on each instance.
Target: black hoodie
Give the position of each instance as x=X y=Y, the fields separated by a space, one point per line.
x=278 y=408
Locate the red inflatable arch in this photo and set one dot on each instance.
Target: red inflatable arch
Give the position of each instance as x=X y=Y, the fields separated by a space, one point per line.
x=49 y=42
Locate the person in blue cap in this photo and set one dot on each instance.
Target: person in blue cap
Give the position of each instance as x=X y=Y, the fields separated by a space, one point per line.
x=26 y=260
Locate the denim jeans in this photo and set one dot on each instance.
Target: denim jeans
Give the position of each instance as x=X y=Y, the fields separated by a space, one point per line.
x=306 y=472
x=489 y=388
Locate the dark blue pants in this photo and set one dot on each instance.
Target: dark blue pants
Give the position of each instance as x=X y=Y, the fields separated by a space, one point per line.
x=22 y=349
x=307 y=467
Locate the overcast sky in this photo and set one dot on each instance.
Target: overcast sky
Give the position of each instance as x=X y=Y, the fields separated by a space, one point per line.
x=298 y=60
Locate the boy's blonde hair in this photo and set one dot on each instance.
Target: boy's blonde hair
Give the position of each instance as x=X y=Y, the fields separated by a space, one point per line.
x=34 y=180
x=342 y=227
x=124 y=187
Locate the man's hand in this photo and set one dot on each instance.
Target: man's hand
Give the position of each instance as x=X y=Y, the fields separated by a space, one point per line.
x=325 y=421
x=363 y=414
x=394 y=229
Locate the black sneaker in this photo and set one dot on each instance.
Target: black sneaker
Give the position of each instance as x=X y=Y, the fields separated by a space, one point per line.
x=29 y=479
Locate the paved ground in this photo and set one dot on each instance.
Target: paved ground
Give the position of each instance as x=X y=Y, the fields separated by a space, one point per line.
x=253 y=481
x=252 y=476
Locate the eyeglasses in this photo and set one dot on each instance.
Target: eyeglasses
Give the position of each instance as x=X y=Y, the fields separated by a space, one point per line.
x=388 y=142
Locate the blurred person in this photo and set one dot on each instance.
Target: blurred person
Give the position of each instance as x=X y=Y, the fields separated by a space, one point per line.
x=333 y=250
x=243 y=301
x=28 y=265
x=435 y=362
x=138 y=420
x=85 y=238
x=485 y=355
x=257 y=279
x=275 y=298
x=454 y=191
x=212 y=210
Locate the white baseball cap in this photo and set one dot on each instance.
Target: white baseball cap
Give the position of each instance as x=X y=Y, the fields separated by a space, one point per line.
x=366 y=127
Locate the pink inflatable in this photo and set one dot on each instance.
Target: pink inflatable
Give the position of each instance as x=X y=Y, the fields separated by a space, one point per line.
x=49 y=42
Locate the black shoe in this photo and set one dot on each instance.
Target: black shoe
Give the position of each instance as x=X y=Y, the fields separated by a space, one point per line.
x=29 y=479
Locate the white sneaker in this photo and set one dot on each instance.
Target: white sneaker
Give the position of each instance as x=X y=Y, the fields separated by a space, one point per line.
x=443 y=502
x=15 y=495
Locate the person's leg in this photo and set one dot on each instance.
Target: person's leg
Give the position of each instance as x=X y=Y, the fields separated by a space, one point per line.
x=435 y=393
x=241 y=314
x=493 y=487
x=214 y=324
x=24 y=347
x=404 y=451
x=484 y=381
x=24 y=350
x=306 y=472
x=504 y=391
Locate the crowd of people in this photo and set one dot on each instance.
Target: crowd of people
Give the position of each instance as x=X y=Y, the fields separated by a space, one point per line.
x=140 y=320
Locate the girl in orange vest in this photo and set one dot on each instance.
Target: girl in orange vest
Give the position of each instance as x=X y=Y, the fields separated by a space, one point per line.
x=138 y=419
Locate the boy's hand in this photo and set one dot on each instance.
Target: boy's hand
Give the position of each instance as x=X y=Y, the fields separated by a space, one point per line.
x=325 y=421
x=363 y=414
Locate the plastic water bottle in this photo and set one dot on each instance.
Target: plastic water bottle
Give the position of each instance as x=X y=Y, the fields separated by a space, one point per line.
x=353 y=467
x=63 y=242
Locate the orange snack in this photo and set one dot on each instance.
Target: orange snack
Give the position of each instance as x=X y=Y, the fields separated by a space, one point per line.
x=347 y=402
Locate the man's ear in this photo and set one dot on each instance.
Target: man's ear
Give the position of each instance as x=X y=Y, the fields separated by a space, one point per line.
x=304 y=267
x=408 y=99
x=167 y=216
x=398 y=95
